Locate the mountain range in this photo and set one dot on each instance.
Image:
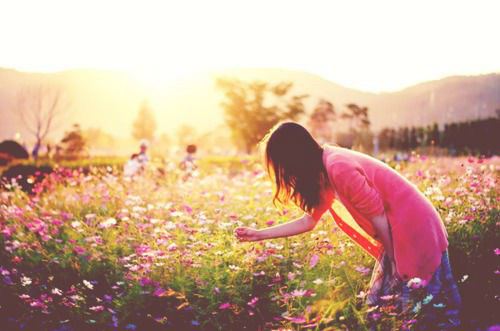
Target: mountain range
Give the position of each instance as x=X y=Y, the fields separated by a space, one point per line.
x=110 y=100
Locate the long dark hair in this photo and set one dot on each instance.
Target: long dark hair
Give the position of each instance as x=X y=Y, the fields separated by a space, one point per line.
x=295 y=161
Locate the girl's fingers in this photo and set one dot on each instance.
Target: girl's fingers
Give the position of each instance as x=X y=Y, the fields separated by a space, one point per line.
x=244 y=234
x=240 y=230
x=242 y=239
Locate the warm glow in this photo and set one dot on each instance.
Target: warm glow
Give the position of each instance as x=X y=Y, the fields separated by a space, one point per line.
x=372 y=45
x=157 y=78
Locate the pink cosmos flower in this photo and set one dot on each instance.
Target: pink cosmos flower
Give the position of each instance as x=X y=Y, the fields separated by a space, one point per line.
x=17 y=259
x=159 y=292
x=188 y=209
x=224 y=306
x=145 y=281
x=252 y=303
x=79 y=250
x=362 y=270
x=7 y=232
x=314 y=260
x=296 y=320
x=298 y=293
x=97 y=309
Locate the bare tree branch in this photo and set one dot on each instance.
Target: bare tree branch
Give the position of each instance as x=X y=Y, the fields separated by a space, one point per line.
x=39 y=107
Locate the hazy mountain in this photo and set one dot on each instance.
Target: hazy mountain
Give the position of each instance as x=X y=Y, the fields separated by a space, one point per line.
x=110 y=100
x=446 y=100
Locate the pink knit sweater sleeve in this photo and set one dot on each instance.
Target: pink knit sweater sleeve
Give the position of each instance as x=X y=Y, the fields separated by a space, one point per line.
x=350 y=181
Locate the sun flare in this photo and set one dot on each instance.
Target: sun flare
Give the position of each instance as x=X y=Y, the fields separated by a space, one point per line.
x=158 y=77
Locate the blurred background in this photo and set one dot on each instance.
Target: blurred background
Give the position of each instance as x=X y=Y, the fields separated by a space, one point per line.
x=128 y=155
x=83 y=79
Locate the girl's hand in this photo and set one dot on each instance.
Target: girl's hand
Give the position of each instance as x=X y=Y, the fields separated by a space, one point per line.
x=247 y=234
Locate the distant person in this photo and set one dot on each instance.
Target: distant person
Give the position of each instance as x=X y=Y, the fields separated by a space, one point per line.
x=188 y=163
x=132 y=167
x=137 y=162
x=402 y=229
x=142 y=157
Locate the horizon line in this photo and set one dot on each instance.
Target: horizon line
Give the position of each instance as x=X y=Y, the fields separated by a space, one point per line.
x=214 y=70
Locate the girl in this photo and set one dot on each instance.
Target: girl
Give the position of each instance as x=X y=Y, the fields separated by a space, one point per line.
x=396 y=223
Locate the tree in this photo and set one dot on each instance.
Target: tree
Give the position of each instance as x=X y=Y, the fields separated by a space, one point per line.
x=145 y=124
x=40 y=107
x=96 y=138
x=421 y=136
x=321 y=120
x=357 y=116
x=253 y=108
x=10 y=150
x=435 y=141
x=359 y=124
x=385 y=138
x=73 y=143
x=413 y=141
x=405 y=139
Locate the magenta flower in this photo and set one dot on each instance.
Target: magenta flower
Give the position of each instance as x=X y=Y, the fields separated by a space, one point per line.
x=145 y=281
x=188 y=209
x=224 y=306
x=79 y=250
x=296 y=320
x=252 y=303
x=314 y=260
x=159 y=292
x=7 y=232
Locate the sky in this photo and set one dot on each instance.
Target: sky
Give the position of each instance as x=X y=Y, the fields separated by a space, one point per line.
x=370 y=45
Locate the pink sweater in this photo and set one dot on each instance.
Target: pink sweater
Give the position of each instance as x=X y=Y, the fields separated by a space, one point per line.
x=368 y=187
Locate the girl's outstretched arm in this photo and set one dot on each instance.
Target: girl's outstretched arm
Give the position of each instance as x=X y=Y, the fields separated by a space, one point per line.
x=297 y=226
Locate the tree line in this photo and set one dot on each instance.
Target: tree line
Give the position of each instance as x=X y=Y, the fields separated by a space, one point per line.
x=480 y=136
x=251 y=109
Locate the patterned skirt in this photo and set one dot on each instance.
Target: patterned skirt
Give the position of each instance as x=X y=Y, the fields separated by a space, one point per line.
x=420 y=306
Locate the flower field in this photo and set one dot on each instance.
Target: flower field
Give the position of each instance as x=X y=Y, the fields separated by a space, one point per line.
x=91 y=250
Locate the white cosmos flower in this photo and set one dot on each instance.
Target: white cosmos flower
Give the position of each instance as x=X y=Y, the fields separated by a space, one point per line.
x=88 y=284
x=25 y=281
